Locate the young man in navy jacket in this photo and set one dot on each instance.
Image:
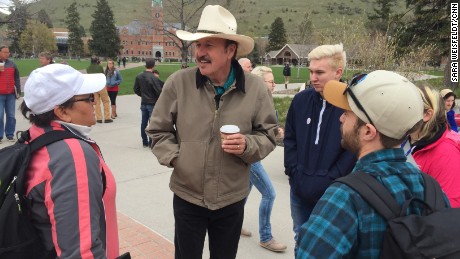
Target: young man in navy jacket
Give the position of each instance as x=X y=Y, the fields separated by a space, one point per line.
x=313 y=156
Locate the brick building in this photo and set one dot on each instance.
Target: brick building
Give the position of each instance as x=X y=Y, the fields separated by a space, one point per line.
x=145 y=39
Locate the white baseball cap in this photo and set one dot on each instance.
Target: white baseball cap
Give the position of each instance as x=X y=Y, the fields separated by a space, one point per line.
x=390 y=101
x=54 y=84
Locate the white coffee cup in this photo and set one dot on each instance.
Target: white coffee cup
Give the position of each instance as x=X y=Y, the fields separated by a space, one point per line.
x=228 y=130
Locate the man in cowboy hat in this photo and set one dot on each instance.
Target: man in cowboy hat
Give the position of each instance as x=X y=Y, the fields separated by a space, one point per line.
x=210 y=179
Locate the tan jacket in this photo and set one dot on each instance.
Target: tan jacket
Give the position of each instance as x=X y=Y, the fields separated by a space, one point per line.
x=185 y=125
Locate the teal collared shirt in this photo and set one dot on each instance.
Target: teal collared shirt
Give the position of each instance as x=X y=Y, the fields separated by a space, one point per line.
x=221 y=89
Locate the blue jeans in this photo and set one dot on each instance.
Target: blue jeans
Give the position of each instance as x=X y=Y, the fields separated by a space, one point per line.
x=259 y=178
x=146 y=111
x=300 y=212
x=8 y=107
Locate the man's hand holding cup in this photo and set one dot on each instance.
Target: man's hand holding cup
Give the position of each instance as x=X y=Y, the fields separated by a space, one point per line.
x=232 y=141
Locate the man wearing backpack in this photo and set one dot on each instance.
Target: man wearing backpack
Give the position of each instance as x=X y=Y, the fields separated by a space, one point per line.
x=381 y=109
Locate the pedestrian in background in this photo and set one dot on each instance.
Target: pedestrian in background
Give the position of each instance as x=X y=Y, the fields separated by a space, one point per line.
x=148 y=87
x=286 y=74
x=10 y=90
x=260 y=179
x=114 y=80
x=157 y=74
x=245 y=64
x=449 y=103
x=45 y=58
x=210 y=179
x=102 y=95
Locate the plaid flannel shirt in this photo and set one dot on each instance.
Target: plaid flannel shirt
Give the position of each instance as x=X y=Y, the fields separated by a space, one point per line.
x=343 y=225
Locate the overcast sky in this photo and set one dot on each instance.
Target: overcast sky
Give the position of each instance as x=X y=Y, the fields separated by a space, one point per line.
x=3 y=6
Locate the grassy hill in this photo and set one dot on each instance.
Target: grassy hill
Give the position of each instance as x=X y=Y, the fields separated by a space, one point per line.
x=254 y=16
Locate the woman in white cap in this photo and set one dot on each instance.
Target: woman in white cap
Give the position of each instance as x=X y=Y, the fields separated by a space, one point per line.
x=435 y=148
x=449 y=103
x=71 y=187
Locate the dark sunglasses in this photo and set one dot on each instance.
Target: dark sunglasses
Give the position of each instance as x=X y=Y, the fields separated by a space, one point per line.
x=90 y=99
x=354 y=81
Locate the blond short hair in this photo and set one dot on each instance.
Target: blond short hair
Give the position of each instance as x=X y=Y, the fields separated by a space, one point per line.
x=261 y=71
x=335 y=52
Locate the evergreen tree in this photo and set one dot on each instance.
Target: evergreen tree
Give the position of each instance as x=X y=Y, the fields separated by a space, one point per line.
x=430 y=24
x=105 y=39
x=44 y=18
x=18 y=17
x=74 y=42
x=380 y=21
x=277 y=36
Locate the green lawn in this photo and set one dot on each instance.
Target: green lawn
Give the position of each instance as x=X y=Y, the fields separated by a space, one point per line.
x=129 y=75
x=298 y=75
x=25 y=66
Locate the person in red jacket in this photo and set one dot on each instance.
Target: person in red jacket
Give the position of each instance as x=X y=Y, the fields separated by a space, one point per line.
x=435 y=148
x=10 y=90
x=71 y=187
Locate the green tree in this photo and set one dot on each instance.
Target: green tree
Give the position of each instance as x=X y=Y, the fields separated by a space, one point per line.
x=254 y=56
x=380 y=20
x=37 y=37
x=430 y=24
x=43 y=17
x=277 y=36
x=18 y=21
x=105 y=39
x=74 y=42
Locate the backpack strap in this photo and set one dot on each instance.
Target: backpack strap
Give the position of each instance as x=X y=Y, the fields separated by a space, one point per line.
x=433 y=193
x=373 y=192
x=50 y=137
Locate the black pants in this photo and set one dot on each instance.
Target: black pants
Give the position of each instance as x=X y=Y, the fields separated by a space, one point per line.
x=192 y=221
x=113 y=97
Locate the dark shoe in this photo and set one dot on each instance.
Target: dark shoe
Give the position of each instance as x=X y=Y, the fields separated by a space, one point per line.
x=11 y=139
x=108 y=121
x=274 y=246
x=0 y=141
x=99 y=121
x=245 y=232
x=113 y=117
x=145 y=145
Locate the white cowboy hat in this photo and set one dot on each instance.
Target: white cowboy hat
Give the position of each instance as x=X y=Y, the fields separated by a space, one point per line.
x=218 y=22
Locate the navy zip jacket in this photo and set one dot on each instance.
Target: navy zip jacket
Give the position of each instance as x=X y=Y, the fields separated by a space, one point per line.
x=313 y=156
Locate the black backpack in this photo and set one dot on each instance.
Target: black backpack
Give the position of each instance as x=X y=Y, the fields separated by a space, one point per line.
x=434 y=234
x=18 y=237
